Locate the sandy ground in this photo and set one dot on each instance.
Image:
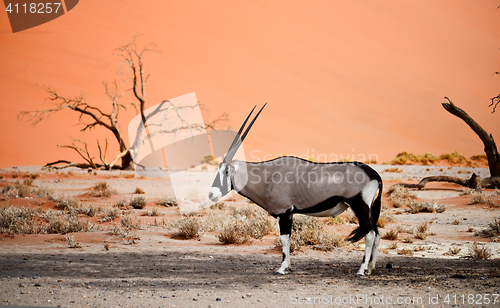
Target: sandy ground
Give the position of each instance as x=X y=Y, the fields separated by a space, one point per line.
x=158 y=270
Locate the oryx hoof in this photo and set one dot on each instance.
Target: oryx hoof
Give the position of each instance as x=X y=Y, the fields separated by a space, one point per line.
x=360 y=275
x=284 y=272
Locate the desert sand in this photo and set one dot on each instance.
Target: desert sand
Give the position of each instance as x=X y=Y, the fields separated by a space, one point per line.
x=151 y=267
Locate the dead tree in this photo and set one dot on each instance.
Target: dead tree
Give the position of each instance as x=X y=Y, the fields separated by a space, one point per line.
x=91 y=116
x=490 y=149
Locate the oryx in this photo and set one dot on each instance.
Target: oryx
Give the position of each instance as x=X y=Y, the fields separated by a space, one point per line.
x=290 y=185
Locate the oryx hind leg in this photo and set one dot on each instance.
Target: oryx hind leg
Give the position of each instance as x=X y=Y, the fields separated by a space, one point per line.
x=369 y=241
x=285 y=223
x=373 y=258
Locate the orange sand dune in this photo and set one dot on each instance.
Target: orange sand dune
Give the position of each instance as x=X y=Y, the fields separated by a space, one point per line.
x=339 y=77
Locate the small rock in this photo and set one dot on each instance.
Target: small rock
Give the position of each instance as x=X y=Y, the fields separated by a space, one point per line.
x=37 y=285
x=22 y=285
x=218 y=299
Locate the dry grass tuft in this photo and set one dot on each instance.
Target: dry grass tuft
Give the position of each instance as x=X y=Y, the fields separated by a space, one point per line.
x=189 y=228
x=102 y=189
x=67 y=203
x=492 y=230
x=440 y=208
x=337 y=221
x=139 y=191
x=138 y=203
x=397 y=191
x=233 y=234
x=391 y=235
x=405 y=251
x=452 y=251
x=477 y=251
x=153 y=212
x=70 y=241
x=122 y=203
x=218 y=206
x=311 y=231
x=110 y=213
x=419 y=207
x=393 y=245
x=168 y=202
x=408 y=240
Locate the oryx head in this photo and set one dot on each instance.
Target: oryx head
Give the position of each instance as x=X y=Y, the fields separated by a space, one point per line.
x=223 y=184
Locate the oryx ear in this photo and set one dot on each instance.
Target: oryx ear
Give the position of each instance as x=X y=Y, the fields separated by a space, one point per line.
x=232 y=170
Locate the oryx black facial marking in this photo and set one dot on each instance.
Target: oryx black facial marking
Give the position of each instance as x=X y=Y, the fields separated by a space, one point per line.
x=290 y=185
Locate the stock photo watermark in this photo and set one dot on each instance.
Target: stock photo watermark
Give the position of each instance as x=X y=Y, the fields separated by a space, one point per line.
x=25 y=15
x=384 y=301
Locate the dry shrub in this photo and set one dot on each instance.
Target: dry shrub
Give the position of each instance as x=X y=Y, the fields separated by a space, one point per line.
x=18 y=190
x=466 y=191
x=70 y=241
x=452 y=251
x=477 y=251
x=102 y=189
x=246 y=223
x=122 y=203
x=139 y=191
x=311 y=231
x=478 y=197
x=110 y=213
x=329 y=241
x=127 y=222
x=88 y=210
x=440 y=208
x=339 y=220
x=67 y=203
x=168 y=202
x=408 y=240
x=258 y=227
x=405 y=158
x=492 y=230
x=352 y=219
x=405 y=251
x=397 y=191
x=381 y=222
x=189 y=228
x=18 y=220
x=138 y=203
x=393 y=245
x=218 y=206
x=454 y=158
x=419 y=248
x=63 y=224
x=419 y=207
x=391 y=235
x=127 y=175
x=420 y=235
x=393 y=170
x=216 y=221
x=233 y=234
x=154 y=212
x=455 y=222
x=44 y=192
x=423 y=227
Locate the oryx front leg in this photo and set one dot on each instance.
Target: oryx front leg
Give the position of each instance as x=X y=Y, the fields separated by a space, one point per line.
x=369 y=241
x=285 y=223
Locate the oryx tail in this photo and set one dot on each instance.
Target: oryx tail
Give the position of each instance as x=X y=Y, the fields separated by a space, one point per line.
x=370 y=223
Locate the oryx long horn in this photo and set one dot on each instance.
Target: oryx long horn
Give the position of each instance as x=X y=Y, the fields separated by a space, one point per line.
x=237 y=137
x=238 y=140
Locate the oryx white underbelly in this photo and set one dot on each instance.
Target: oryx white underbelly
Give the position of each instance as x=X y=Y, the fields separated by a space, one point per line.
x=333 y=212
